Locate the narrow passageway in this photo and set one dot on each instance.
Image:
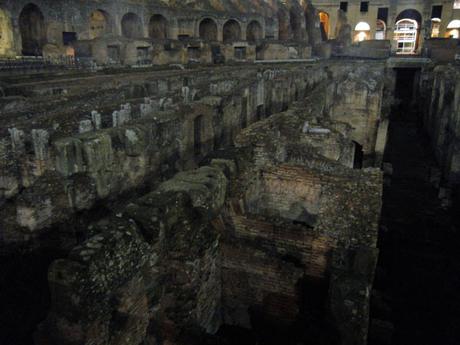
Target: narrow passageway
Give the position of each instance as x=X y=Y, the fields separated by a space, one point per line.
x=420 y=252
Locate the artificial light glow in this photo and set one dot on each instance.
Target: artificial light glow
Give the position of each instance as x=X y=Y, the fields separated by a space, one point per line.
x=362 y=26
x=455 y=24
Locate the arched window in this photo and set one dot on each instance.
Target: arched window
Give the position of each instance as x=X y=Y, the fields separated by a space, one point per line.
x=158 y=27
x=232 y=31
x=406 y=35
x=131 y=26
x=453 y=29
x=32 y=28
x=208 y=30
x=324 y=24
x=362 y=32
x=254 y=31
x=99 y=24
x=380 y=30
x=406 y=32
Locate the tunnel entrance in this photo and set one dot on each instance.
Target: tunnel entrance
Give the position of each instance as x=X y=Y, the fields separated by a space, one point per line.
x=359 y=156
x=405 y=88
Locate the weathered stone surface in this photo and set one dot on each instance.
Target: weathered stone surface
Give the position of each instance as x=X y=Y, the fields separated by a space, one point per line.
x=168 y=252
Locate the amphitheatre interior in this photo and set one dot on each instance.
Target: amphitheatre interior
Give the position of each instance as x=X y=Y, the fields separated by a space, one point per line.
x=229 y=172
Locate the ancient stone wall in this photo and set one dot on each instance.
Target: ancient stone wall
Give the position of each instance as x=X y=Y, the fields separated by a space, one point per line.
x=146 y=32
x=140 y=142
x=440 y=94
x=145 y=255
x=213 y=256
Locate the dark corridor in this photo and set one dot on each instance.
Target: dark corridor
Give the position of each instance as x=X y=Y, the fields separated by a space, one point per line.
x=417 y=281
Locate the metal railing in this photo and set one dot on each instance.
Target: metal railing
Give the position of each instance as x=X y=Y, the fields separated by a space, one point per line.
x=39 y=64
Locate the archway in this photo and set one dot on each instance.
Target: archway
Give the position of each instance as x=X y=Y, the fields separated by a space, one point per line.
x=99 y=24
x=407 y=30
x=158 y=27
x=435 y=27
x=33 y=31
x=6 y=34
x=131 y=26
x=254 y=31
x=406 y=35
x=380 y=30
x=362 y=32
x=295 y=24
x=208 y=30
x=232 y=31
x=453 y=29
x=283 y=26
x=324 y=24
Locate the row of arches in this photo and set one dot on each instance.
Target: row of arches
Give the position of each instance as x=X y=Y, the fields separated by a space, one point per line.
x=406 y=32
x=290 y=25
x=231 y=31
x=131 y=25
x=33 y=30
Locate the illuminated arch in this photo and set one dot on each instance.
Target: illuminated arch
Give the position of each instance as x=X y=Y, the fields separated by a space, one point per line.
x=380 y=30
x=99 y=24
x=406 y=36
x=324 y=23
x=453 y=29
x=362 y=32
x=6 y=34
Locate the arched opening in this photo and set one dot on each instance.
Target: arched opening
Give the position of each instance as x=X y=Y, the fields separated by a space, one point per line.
x=380 y=30
x=296 y=25
x=324 y=25
x=406 y=32
x=232 y=31
x=435 y=27
x=283 y=27
x=33 y=31
x=131 y=26
x=208 y=30
x=254 y=31
x=453 y=29
x=158 y=27
x=362 y=32
x=99 y=24
x=6 y=33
